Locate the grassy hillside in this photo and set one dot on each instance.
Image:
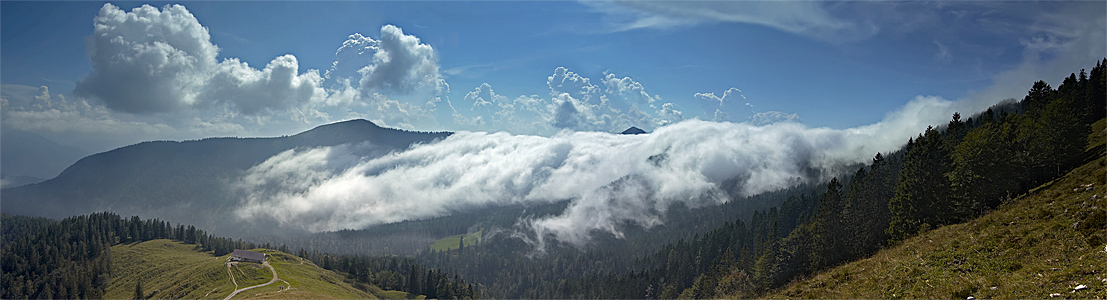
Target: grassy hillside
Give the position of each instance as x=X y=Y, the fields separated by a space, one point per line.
x=451 y=242
x=177 y=270
x=1048 y=242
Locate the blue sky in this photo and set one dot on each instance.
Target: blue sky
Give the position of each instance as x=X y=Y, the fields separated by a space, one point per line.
x=261 y=68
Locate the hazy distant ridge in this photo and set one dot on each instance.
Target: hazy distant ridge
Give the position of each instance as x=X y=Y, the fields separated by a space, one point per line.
x=183 y=181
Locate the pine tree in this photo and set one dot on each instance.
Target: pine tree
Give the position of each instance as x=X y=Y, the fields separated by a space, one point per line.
x=412 y=280
x=139 y=294
x=461 y=245
x=922 y=197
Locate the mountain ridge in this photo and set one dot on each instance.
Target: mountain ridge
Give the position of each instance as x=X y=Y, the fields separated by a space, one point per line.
x=633 y=130
x=25 y=154
x=172 y=180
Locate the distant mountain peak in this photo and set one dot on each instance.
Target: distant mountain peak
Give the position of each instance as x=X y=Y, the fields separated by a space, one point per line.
x=633 y=130
x=349 y=123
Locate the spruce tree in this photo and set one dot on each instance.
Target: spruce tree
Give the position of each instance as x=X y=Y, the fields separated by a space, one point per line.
x=139 y=294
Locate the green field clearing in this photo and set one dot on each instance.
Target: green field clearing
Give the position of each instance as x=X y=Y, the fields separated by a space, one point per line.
x=171 y=269
x=451 y=242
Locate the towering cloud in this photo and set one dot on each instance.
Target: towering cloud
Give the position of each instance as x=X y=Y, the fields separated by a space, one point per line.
x=401 y=64
x=394 y=80
x=158 y=67
x=155 y=61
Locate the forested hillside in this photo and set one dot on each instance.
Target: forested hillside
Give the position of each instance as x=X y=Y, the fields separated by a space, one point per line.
x=1046 y=244
x=947 y=175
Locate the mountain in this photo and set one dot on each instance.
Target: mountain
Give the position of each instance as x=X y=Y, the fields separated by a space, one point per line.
x=28 y=158
x=14 y=181
x=1048 y=242
x=185 y=181
x=633 y=130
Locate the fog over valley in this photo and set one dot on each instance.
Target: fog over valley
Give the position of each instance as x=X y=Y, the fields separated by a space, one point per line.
x=552 y=149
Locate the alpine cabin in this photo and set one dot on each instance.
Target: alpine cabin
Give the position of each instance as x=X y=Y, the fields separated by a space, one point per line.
x=248 y=256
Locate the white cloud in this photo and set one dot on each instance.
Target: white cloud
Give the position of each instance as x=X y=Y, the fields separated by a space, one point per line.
x=355 y=53
x=94 y=126
x=1058 y=41
x=721 y=108
x=401 y=64
x=158 y=67
x=769 y=117
x=250 y=91
x=483 y=97
x=54 y=113
x=629 y=91
x=394 y=81
x=156 y=61
x=942 y=55
x=492 y=110
x=147 y=60
x=668 y=114
x=811 y=19
x=575 y=103
x=576 y=86
x=610 y=179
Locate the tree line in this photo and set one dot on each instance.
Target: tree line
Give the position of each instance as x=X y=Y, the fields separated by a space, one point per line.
x=396 y=273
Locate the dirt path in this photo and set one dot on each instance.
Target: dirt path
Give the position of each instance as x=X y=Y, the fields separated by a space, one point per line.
x=238 y=290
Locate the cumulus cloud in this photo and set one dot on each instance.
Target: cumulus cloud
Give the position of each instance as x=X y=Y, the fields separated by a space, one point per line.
x=563 y=81
x=720 y=108
x=627 y=91
x=156 y=68
x=668 y=114
x=394 y=81
x=575 y=103
x=355 y=53
x=248 y=90
x=147 y=60
x=161 y=63
x=155 y=61
x=401 y=63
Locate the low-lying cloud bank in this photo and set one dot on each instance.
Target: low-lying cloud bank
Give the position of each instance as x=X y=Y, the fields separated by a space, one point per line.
x=611 y=180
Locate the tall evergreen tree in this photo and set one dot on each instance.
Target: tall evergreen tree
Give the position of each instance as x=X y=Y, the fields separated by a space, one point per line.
x=922 y=196
x=139 y=293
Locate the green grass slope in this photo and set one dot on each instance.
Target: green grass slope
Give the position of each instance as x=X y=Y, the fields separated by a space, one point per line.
x=1049 y=243
x=451 y=242
x=176 y=270
x=172 y=268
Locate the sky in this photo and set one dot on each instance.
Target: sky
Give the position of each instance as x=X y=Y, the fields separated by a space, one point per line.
x=739 y=97
x=110 y=74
